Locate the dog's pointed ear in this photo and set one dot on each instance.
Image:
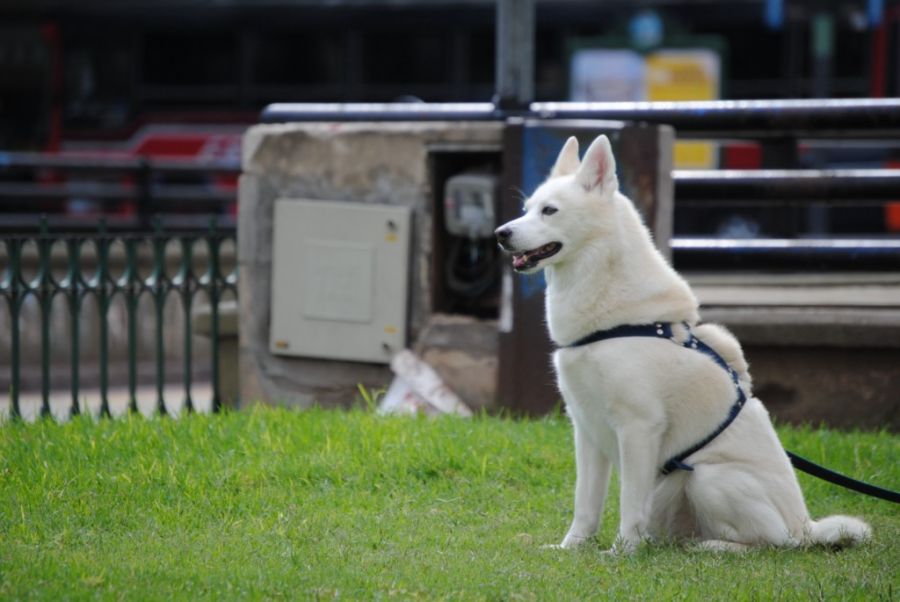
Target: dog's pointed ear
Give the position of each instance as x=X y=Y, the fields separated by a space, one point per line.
x=598 y=168
x=567 y=161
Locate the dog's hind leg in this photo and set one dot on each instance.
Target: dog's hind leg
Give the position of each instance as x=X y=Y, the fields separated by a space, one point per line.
x=734 y=505
x=591 y=485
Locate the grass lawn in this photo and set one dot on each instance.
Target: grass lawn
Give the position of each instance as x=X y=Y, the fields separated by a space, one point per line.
x=277 y=504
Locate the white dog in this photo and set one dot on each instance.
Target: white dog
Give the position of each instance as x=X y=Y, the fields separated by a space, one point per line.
x=639 y=401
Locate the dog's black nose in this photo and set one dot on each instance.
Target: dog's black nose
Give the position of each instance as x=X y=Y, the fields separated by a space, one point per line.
x=503 y=233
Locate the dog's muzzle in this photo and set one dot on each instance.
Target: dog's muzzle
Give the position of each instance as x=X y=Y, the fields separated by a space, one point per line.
x=503 y=234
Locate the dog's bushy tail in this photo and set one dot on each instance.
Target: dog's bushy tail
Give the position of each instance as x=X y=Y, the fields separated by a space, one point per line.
x=838 y=531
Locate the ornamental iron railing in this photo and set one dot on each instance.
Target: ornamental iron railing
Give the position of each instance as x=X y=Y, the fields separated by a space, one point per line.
x=147 y=277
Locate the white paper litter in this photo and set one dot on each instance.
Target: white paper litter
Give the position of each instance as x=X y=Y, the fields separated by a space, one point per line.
x=417 y=388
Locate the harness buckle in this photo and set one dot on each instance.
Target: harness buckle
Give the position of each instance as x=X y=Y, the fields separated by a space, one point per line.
x=674 y=464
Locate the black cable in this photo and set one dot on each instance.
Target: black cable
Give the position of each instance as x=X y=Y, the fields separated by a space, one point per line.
x=475 y=279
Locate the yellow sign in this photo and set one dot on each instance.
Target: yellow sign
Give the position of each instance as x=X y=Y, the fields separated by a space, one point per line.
x=685 y=75
x=600 y=74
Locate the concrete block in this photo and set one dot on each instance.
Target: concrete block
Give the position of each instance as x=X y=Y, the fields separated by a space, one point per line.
x=353 y=162
x=463 y=351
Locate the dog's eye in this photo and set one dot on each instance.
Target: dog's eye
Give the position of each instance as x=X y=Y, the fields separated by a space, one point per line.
x=549 y=210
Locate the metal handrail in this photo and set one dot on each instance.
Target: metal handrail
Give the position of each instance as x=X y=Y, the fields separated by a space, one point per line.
x=818 y=118
x=878 y=254
x=795 y=118
x=807 y=185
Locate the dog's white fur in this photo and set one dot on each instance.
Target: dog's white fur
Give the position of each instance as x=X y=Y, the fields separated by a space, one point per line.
x=635 y=402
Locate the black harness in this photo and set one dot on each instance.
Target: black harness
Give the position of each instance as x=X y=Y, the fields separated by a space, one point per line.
x=663 y=330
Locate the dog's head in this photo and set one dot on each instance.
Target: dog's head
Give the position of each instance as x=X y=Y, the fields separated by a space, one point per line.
x=566 y=212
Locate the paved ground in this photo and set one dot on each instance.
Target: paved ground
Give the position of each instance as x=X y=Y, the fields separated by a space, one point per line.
x=30 y=401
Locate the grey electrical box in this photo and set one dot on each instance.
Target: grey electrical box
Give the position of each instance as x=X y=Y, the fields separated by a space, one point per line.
x=469 y=205
x=339 y=280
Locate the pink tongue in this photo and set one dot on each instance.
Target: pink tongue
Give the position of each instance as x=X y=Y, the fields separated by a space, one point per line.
x=520 y=260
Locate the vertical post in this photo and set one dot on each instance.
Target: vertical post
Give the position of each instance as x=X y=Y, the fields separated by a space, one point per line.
x=14 y=248
x=514 y=54
x=103 y=299
x=159 y=301
x=214 y=281
x=73 y=294
x=187 y=298
x=644 y=157
x=45 y=297
x=132 y=297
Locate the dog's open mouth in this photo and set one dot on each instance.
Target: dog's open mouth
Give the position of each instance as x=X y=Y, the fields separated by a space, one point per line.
x=528 y=259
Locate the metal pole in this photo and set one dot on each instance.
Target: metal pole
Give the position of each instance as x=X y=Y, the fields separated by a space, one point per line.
x=73 y=290
x=103 y=304
x=45 y=299
x=158 y=288
x=132 y=299
x=185 y=278
x=14 y=298
x=515 y=54
x=214 y=294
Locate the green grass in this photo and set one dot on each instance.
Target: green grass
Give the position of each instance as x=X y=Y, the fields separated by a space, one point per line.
x=277 y=504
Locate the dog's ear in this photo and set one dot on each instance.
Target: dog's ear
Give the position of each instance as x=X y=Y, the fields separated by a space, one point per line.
x=567 y=161
x=598 y=168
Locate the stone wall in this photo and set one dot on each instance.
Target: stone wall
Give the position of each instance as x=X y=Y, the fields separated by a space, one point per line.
x=385 y=163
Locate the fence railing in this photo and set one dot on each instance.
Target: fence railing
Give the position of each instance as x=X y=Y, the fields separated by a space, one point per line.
x=183 y=192
x=777 y=126
x=76 y=285
x=788 y=188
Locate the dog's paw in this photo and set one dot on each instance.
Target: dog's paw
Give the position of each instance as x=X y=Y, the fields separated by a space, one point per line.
x=623 y=547
x=569 y=542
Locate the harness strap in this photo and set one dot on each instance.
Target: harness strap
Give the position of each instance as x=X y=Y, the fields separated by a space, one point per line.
x=663 y=330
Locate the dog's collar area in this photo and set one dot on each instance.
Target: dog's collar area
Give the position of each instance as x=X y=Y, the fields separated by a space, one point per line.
x=663 y=330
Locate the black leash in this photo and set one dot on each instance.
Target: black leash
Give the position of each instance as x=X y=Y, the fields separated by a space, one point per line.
x=837 y=478
x=663 y=330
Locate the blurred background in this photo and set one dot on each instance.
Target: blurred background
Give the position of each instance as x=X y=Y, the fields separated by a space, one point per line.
x=121 y=125
x=181 y=80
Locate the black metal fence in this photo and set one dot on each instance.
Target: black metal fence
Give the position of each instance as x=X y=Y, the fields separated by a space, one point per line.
x=778 y=126
x=76 y=285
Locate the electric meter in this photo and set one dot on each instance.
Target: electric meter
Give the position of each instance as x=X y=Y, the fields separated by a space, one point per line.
x=469 y=202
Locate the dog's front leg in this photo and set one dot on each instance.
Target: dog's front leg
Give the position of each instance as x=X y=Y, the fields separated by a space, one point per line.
x=592 y=470
x=638 y=453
